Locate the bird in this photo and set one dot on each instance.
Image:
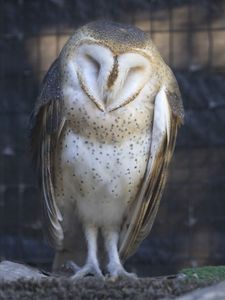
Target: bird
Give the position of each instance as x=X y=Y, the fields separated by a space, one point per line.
x=103 y=132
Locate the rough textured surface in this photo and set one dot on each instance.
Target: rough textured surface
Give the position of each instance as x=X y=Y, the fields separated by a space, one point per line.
x=91 y=288
x=18 y=281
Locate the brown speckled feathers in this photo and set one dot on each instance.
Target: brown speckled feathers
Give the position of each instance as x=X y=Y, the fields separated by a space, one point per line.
x=49 y=122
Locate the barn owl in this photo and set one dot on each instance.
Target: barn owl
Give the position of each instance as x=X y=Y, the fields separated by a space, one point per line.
x=103 y=133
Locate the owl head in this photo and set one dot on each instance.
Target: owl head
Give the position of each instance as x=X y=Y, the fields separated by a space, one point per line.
x=111 y=62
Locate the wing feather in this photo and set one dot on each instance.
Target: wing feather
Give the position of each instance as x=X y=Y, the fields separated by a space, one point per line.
x=139 y=220
x=46 y=124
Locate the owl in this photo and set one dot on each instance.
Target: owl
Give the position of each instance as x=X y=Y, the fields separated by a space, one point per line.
x=103 y=132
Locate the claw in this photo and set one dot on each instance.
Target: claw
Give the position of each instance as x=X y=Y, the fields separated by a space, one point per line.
x=88 y=270
x=116 y=271
x=72 y=266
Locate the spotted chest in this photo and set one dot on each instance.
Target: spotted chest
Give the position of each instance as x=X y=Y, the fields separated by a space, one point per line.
x=102 y=160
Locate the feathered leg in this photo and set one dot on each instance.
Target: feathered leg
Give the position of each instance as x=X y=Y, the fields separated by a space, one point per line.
x=91 y=266
x=114 y=266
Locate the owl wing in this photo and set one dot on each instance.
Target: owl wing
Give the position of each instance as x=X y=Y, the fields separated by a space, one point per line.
x=46 y=124
x=168 y=114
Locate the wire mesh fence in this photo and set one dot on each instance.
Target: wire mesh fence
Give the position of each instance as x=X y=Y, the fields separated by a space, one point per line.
x=190 y=35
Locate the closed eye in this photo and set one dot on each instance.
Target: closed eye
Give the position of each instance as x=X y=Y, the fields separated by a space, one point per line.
x=93 y=64
x=133 y=71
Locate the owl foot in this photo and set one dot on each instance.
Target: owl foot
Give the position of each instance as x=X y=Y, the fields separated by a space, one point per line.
x=116 y=271
x=72 y=266
x=88 y=270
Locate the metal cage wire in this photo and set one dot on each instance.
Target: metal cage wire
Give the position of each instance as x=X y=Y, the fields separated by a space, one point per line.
x=190 y=225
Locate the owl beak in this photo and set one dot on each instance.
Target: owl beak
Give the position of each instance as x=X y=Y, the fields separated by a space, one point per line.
x=109 y=84
x=113 y=74
x=105 y=98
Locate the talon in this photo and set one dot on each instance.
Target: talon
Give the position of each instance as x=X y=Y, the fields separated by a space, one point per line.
x=121 y=275
x=117 y=271
x=88 y=270
x=72 y=266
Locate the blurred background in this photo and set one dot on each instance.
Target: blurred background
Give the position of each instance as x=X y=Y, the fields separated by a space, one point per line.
x=190 y=226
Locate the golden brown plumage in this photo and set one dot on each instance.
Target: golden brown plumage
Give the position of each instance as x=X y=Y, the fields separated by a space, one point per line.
x=103 y=133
